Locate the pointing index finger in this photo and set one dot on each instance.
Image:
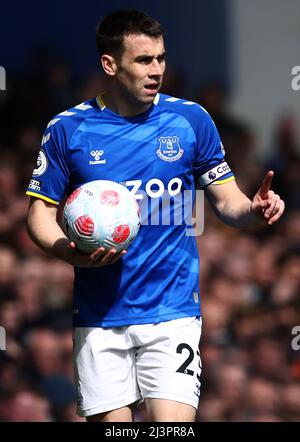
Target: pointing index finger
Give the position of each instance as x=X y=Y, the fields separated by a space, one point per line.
x=266 y=184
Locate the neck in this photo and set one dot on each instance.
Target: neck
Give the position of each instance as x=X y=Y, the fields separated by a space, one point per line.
x=124 y=106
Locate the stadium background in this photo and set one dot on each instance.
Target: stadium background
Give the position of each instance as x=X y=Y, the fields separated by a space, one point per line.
x=234 y=57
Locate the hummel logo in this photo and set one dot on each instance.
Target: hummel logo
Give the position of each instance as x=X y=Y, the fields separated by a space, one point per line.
x=97 y=154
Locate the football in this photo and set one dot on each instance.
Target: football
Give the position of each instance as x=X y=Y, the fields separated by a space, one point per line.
x=101 y=213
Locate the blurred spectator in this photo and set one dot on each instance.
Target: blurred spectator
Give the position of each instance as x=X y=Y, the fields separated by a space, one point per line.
x=290 y=402
x=47 y=368
x=269 y=359
x=24 y=405
x=44 y=349
x=286 y=160
x=262 y=397
x=8 y=266
x=236 y=136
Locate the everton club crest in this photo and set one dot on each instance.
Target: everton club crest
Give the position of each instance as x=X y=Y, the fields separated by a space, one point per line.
x=169 y=149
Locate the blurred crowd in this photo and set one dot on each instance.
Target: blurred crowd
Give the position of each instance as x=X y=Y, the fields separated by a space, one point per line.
x=250 y=280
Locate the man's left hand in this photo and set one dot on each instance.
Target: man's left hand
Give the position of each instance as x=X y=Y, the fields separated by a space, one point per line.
x=267 y=203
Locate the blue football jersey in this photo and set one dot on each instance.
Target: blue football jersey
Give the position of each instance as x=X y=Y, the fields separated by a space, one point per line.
x=167 y=151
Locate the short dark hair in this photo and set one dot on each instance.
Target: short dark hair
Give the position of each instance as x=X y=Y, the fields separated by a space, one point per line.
x=111 y=30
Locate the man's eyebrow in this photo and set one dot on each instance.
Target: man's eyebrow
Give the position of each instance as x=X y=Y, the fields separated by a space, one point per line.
x=163 y=54
x=148 y=57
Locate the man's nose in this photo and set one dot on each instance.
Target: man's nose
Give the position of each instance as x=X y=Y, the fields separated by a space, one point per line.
x=156 y=68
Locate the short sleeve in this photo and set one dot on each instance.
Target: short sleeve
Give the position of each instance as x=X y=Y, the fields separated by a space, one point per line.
x=50 y=177
x=210 y=166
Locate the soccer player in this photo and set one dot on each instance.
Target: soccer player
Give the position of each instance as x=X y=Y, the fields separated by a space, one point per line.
x=137 y=319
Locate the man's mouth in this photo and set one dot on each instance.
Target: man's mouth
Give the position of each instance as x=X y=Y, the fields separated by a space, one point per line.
x=152 y=87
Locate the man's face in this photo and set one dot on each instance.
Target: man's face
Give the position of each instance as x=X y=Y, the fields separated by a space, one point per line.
x=141 y=68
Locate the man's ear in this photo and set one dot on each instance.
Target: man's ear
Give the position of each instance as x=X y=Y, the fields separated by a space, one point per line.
x=109 y=64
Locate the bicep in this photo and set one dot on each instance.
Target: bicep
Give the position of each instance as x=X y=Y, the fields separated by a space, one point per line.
x=39 y=210
x=43 y=228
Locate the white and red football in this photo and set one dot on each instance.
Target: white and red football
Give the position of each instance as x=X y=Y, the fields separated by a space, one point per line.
x=101 y=213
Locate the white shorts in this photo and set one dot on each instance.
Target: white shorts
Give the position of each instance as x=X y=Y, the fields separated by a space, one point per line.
x=118 y=366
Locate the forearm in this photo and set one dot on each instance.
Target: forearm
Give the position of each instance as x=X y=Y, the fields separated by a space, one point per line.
x=234 y=208
x=237 y=212
x=47 y=234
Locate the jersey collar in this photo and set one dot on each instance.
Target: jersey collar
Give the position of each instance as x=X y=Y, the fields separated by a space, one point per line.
x=102 y=105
